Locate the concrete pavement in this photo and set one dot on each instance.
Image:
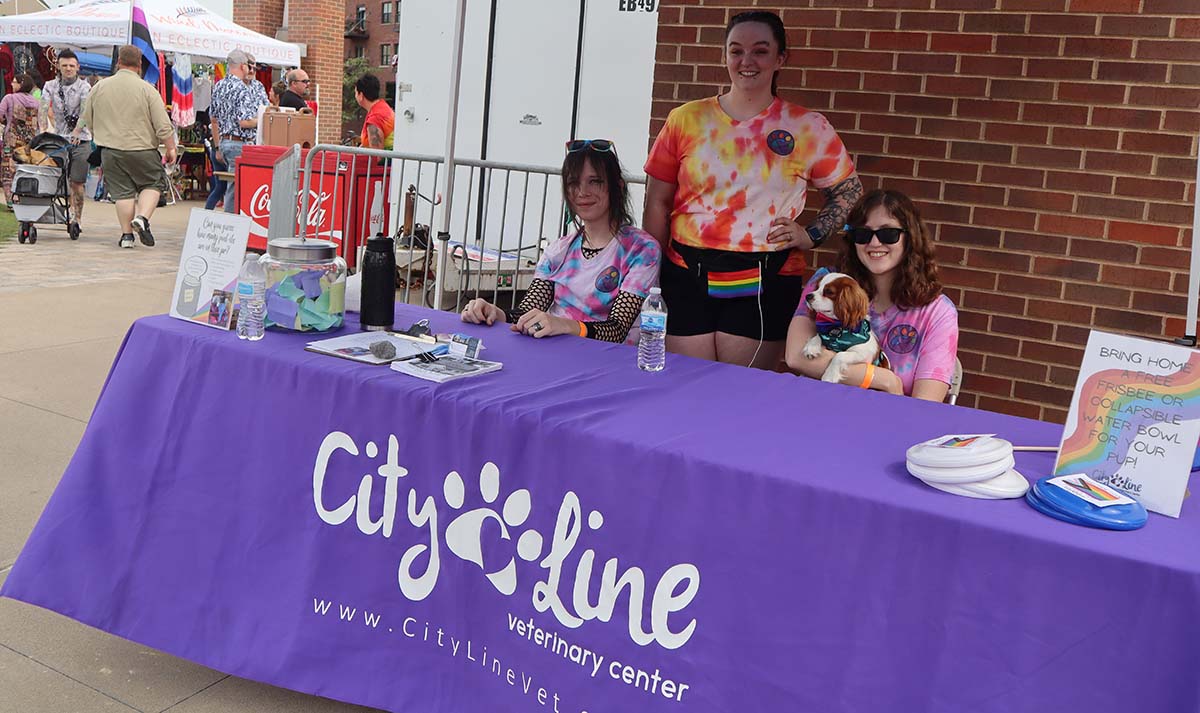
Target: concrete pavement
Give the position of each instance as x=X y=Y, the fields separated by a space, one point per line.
x=67 y=306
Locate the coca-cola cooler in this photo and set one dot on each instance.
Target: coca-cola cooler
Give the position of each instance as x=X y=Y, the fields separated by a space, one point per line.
x=348 y=197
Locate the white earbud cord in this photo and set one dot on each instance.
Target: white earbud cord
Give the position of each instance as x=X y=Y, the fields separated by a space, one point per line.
x=761 y=323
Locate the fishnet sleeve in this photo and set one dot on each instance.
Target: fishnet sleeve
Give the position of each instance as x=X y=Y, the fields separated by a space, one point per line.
x=625 y=309
x=540 y=295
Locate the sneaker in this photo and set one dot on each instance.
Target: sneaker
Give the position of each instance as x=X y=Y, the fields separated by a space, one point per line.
x=141 y=226
x=126 y=240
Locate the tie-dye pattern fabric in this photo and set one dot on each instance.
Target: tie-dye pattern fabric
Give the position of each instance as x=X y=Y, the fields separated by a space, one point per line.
x=920 y=343
x=585 y=289
x=734 y=177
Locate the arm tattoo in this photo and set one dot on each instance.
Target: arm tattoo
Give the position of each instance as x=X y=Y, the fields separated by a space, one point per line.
x=839 y=200
x=374 y=137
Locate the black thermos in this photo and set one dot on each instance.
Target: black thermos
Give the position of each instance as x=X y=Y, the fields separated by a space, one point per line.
x=378 y=284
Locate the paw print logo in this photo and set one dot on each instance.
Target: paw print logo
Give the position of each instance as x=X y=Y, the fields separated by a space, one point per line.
x=464 y=534
x=903 y=338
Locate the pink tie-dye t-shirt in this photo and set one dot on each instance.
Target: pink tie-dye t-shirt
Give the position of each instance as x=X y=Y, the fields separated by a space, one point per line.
x=920 y=343
x=734 y=177
x=584 y=289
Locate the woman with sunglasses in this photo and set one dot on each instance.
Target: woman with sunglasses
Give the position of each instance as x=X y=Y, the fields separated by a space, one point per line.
x=590 y=282
x=728 y=178
x=888 y=251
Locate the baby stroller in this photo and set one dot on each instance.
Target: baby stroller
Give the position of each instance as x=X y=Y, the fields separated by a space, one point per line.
x=40 y=193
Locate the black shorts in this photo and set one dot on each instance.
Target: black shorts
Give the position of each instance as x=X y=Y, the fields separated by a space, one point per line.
x=692 y=310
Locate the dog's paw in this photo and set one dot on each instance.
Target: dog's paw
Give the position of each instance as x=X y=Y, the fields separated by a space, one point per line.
x=812 y=349
x=831 y=376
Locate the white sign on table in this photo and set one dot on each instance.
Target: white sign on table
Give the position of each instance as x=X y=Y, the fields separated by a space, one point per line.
x=206 y=284
x=1135 y=419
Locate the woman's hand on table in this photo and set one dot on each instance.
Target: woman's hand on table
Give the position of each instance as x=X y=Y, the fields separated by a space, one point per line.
x=786 y=233
x=536 y=323
x=480 y=311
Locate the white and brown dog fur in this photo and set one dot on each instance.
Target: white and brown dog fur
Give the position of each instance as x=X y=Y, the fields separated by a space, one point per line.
x=838 y=296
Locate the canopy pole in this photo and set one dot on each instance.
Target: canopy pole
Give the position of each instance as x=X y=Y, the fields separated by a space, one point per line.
x=460 y=21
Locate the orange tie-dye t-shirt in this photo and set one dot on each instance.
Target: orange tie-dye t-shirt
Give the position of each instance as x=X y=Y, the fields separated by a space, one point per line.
x=734 y=177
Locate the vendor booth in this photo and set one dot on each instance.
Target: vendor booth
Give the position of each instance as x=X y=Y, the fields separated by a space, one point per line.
x=176 y=26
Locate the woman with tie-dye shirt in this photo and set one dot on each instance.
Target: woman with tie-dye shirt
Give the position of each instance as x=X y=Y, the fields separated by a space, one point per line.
x=727 y=180
x=887 y=249
x=592 y=281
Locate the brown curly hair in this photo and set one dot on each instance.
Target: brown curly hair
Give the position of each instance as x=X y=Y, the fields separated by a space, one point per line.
x=917 y=282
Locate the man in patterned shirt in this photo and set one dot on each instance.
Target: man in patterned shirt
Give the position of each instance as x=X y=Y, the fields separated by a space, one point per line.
x=65 y=98
x=234 y=111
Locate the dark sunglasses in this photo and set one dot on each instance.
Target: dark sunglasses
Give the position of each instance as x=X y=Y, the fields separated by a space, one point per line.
x=302 y=81
x=593 y=144
x=862 y=235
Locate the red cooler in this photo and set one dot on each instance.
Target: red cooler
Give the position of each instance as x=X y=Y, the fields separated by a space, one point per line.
x=341 y=193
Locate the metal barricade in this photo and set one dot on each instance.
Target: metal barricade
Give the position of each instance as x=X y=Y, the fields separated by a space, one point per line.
x=501 y=217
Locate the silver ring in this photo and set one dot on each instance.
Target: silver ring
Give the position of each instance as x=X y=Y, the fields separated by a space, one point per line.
x=537 y=326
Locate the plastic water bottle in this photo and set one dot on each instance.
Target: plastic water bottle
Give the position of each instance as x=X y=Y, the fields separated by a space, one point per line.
x=252 y=294
x=652 y=347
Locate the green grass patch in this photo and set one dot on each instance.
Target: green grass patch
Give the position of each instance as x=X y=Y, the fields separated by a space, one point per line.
x=8 y=226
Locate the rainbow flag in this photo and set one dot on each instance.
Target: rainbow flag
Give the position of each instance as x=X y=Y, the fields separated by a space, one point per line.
x=741 y=283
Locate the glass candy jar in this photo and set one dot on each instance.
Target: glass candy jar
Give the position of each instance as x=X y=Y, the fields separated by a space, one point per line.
x=306 y=285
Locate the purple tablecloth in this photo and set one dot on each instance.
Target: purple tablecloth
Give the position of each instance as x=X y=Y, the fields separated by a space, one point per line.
x=709 y=538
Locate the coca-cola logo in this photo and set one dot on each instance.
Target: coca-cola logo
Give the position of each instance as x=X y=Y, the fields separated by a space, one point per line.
x=318 y=206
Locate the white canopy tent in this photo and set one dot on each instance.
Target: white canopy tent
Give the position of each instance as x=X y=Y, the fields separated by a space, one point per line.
x=176 y=26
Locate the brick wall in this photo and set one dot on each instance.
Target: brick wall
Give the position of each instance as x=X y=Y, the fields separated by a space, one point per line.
x=1051 y=145
x=318 y=25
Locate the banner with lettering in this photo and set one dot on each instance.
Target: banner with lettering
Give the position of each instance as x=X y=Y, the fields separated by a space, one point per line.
x=572 y=534
x=1135 y=419
x=206 y=284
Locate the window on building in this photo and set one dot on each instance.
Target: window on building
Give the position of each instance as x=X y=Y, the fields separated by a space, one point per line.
x=360 y=52
x=385 y=14
x=360 y=13
x=386 y=52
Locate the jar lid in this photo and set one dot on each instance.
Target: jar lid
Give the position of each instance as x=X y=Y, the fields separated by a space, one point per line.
x=297 y=250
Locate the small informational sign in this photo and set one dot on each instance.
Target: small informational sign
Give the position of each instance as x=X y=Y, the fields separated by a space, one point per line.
x=1134 y=419
x=206 y=284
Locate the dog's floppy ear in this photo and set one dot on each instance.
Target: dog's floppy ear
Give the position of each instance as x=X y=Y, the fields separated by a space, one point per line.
x=850 y=303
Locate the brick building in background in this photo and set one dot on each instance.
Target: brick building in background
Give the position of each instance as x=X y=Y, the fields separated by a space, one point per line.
x=1051 y=145
x=318 y=27
x=372 y=32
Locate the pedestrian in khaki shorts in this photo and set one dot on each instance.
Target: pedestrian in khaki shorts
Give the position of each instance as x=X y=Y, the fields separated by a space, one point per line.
x=128 y=119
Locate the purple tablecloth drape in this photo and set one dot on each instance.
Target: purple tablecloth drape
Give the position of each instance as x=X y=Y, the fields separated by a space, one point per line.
x=572 y=534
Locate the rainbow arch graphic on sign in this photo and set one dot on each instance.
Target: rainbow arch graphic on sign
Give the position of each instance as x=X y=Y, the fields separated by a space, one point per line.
x=1082 y=454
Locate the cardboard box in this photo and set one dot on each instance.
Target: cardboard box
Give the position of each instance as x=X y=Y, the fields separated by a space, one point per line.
x=285 y=128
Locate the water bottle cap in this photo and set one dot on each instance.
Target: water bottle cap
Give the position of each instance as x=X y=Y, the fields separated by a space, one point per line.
x=656 y=290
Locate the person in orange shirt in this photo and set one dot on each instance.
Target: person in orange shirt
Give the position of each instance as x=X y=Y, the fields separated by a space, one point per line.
x=380 y=124
x=727 y=179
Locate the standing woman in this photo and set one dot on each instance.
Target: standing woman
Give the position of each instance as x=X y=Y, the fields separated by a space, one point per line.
x=19 y=115
x=727 y=179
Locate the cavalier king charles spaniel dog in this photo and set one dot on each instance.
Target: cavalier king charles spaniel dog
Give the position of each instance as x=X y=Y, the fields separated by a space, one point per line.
x=840 y=306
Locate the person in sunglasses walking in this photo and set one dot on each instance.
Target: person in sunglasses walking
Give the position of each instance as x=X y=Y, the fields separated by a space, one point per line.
x=591 y=282
x=728 y=178
x=886 y=248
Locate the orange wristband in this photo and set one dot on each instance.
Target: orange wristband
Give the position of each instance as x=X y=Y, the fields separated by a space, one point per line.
x=582 y=329
x=868 y=377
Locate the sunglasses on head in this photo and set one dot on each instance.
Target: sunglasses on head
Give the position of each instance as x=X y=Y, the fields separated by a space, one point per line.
x=593 y=144
x=862 y=235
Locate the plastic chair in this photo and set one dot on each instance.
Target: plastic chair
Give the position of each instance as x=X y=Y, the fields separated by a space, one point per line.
x=955 y=383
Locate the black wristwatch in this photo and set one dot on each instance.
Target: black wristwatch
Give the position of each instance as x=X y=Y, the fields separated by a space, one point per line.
x=815 y=235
